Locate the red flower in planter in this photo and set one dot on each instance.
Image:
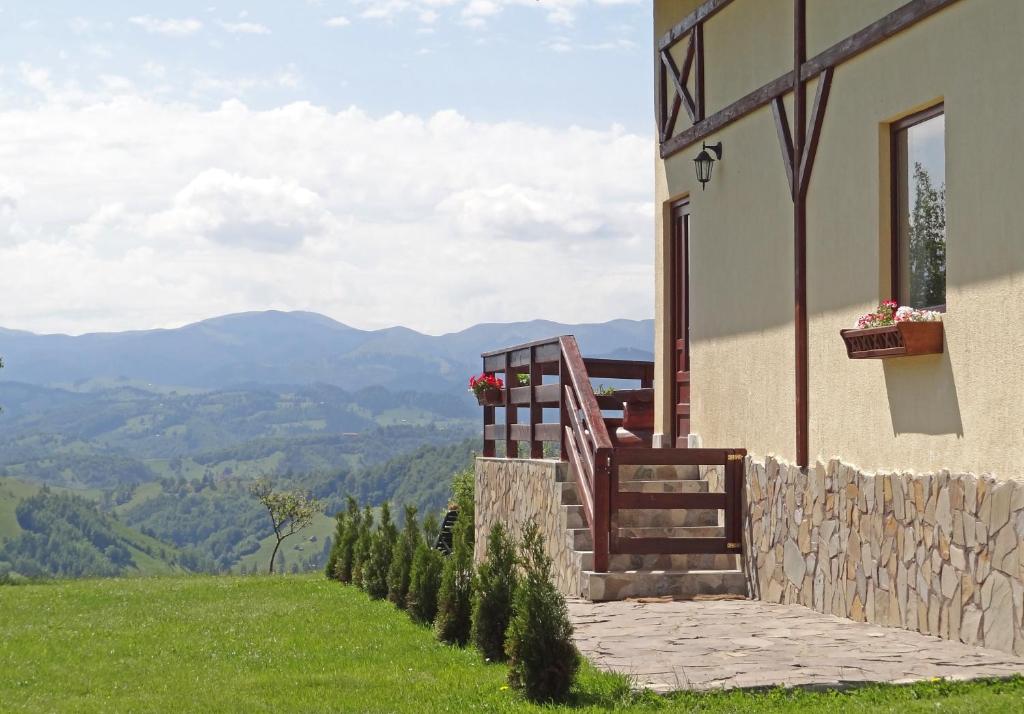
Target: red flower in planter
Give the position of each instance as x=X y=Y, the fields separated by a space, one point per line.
x=484 y=382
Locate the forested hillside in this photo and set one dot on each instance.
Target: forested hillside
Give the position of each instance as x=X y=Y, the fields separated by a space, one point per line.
x=149 y=441
x=67 y=536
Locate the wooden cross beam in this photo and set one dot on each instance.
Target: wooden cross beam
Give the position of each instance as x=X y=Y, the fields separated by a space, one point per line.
x=693 y=64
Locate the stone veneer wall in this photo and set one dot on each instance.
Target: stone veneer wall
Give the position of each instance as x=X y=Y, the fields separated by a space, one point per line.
x=937 y=553
x=512 y=491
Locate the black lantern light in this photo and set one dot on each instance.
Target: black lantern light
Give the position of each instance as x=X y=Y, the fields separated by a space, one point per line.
x=705 y=163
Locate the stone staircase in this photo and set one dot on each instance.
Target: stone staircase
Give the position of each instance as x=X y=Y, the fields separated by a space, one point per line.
x=680 y=576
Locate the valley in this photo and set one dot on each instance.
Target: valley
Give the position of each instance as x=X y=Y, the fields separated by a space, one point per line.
x=156 y=436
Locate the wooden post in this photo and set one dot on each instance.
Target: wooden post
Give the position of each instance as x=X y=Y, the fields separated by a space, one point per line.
x=800 y=230
x=489 y=450
x=734 y=499
x=536 y=412
x=511 y=413
x=563 y=413
x=602 y=509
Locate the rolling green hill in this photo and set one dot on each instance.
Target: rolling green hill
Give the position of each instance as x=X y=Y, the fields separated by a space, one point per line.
x=47 y=533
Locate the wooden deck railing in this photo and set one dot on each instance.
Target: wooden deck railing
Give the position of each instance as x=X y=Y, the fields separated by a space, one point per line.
x=584 y=432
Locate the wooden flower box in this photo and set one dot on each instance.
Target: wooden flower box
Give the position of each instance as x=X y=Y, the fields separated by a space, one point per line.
x=490 y=397
x=904 y=339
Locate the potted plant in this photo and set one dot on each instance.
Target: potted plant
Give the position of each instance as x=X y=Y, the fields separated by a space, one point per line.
x=894 y=331
x=487 y=389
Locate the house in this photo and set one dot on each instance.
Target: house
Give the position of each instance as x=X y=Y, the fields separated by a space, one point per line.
x=815 y=158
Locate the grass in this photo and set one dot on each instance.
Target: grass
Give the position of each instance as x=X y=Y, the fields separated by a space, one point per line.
x=252 y=644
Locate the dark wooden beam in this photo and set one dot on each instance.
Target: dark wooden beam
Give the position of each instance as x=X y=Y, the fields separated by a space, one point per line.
x=895 y=22
x=800 y=231
x=877 y=32
x=670 y=122
x=785 y=140
x=817 y=119
x=702 y=13
x=679 y=79
x=661 y=98
x=698 y=79
x=735 y=111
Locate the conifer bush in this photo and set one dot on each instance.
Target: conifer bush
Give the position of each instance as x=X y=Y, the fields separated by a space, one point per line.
x=455 y=598
x=425 y=576
x=375 y=571
x=401 y=559
x=463 y=490
x=492 y=596
x=542 y=657
x=361 y=547
x=339 y=562
x=347 y=545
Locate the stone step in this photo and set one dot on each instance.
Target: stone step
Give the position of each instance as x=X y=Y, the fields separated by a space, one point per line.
x=663 y=486
x=647 y=518
x=572 y=517
x=654 y=561
x=659 y=473
x=683 y=584
x=571 y=494
x=581 y=538
x=673 y=532
x=676 y=517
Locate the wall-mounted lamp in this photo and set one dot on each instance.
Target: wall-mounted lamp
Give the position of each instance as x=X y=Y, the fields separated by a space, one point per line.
x=705 y=163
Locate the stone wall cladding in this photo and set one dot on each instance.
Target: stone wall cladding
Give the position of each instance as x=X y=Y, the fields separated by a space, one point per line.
x=936 y=553
x=512 y=491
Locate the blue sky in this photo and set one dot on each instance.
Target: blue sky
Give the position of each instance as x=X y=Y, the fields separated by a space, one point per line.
x=534 y=60
x=371 y=160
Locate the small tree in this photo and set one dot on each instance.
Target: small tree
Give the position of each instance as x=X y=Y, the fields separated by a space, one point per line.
x=361 y=547
x=543 y=658
x=340 y=526
x=454 y=599
x=375 y=571
x=492 y=596
x=425 y=576
x=401 y=559
x=339 y=564
x=290 y=511
x=463 y=493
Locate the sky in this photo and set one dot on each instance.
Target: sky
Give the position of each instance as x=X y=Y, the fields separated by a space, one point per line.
x=427 y=163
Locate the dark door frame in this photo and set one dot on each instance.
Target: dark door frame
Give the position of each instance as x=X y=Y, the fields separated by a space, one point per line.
x=679 y=319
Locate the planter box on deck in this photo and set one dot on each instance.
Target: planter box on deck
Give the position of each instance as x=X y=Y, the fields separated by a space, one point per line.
x=904 y=339
x=491 y=398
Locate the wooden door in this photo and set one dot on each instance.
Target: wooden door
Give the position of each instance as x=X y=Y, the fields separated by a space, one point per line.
x=679 y=246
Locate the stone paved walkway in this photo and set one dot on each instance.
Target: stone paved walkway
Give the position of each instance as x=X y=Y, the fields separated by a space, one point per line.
x=738 y=643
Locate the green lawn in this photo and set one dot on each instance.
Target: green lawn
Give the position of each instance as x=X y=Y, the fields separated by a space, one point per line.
x=301 y=644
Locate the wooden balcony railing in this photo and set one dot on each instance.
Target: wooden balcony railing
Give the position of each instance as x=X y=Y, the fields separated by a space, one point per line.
x=559 y=377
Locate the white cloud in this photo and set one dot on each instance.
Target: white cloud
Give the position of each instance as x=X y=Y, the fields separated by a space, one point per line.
x=169 y=27
x=478 y=13
x=245 y=28
x=339 y=21
x=129 y=212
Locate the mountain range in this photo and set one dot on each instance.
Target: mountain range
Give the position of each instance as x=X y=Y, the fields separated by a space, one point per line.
x=295 y=348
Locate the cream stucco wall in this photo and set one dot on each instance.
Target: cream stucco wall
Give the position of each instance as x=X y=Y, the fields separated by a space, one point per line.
x=963 y=410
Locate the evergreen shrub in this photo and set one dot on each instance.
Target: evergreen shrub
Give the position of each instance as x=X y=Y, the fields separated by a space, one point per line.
x=492 y=596
x=542 y=657
x=401 y=559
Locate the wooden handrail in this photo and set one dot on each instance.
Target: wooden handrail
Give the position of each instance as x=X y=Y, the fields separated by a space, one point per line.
x=580 y=381
x=593 y=457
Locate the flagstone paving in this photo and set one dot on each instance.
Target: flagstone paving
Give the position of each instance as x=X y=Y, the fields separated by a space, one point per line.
x=702 y=645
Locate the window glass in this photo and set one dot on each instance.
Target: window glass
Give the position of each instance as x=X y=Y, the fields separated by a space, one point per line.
x=920 y=210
